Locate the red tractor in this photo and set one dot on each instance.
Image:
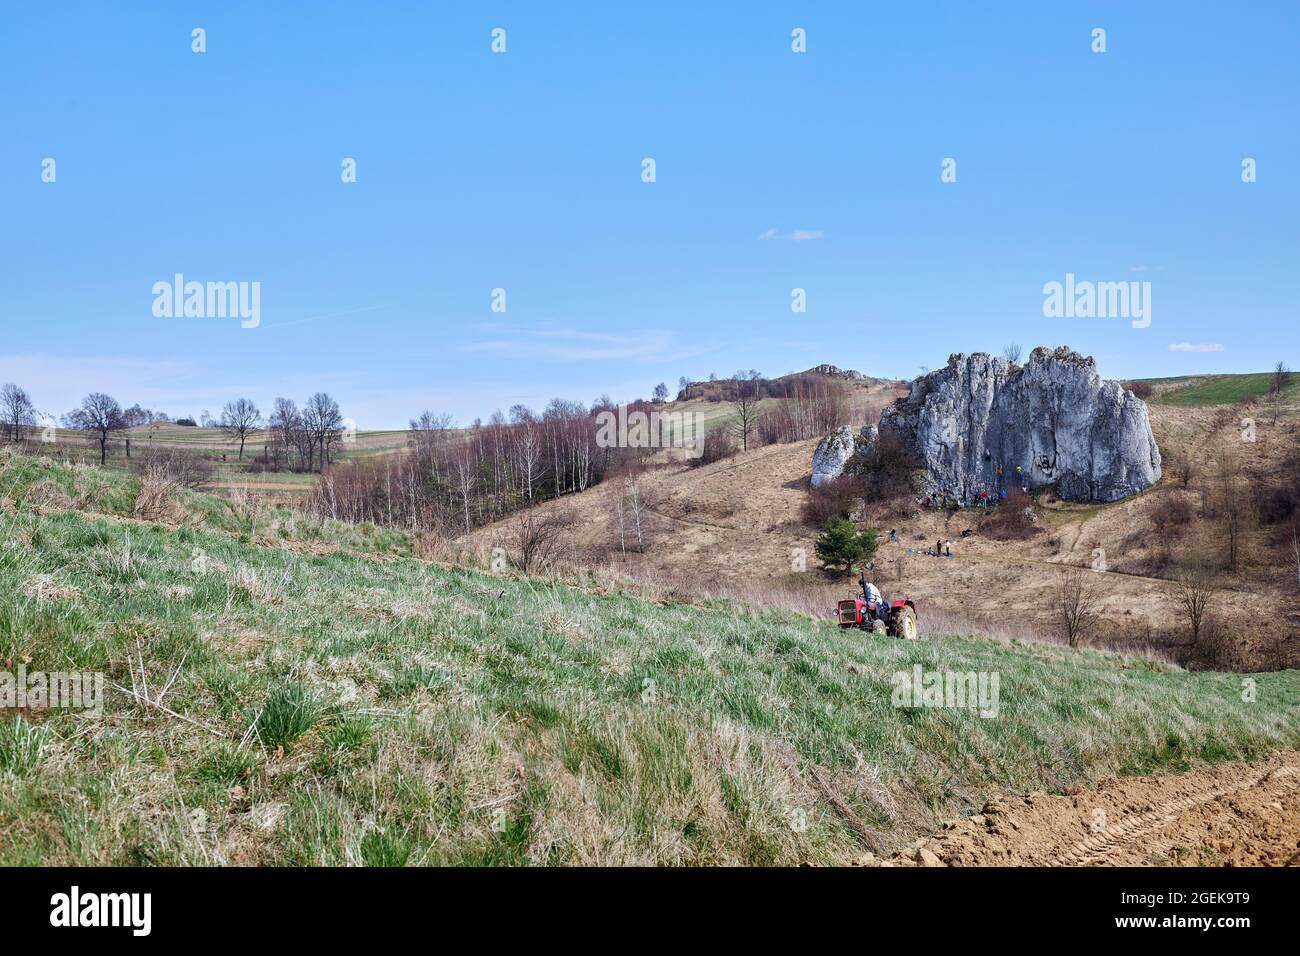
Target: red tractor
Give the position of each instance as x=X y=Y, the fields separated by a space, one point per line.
x=898 y=621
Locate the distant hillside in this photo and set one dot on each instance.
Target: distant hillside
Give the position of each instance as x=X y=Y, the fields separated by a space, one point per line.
x=1201 y=390
x=720 y=389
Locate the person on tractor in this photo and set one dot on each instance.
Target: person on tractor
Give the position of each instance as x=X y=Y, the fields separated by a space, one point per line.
x=871 y=594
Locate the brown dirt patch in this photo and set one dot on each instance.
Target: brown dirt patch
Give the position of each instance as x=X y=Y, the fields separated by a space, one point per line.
x=1230 y=815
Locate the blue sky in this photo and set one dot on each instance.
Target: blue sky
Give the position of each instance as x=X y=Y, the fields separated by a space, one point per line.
x=522 y=171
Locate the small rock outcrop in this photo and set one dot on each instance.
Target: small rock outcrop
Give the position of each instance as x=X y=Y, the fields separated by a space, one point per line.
x=834 y=371
x=1054 y=421
x=831 y=455
x=834 y=451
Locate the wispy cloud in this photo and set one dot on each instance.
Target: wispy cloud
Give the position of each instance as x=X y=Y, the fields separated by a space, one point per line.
x=1195 y=347
x=1139 y=269
x=794 y=235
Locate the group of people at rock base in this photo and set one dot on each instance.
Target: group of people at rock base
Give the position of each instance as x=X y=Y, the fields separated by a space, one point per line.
x=984 y=499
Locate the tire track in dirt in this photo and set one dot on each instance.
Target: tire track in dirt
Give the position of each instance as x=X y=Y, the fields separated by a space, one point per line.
x=1232 y=814
x=1097 y=848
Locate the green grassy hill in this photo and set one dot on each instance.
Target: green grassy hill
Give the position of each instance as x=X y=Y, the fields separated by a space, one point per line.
x=1218 y=389
x=331 y=700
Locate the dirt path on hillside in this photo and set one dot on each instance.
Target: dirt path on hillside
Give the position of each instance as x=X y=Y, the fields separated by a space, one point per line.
x=1230 y=815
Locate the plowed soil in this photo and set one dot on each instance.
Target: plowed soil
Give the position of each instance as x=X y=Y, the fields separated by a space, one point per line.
x=1231 y=815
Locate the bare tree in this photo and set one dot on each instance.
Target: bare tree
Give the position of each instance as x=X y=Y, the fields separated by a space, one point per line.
x=541 y=536
x=465 y=479
x=745 y=415
x=660 y=393
x=633 y=515
x=1011 y=353
x=100 y=416
x=323 y=423
x=1076 y=600
x=1281 y=378
x=136 y=416
x=527 y=439
x=1195 y=595
x=1233 y=506
x=286 y=427
x=16 y=411
x=240 y=418
x=1278 y=384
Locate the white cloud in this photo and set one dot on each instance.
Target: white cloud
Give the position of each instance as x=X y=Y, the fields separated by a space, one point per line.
x=1195 y=347
x=795 y=235
x=1139 y=269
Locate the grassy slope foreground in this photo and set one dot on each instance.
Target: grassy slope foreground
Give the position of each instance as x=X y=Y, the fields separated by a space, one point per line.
x=336 y=708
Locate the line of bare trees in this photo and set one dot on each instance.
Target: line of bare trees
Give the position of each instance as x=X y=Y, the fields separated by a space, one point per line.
x=458 y=479
x=304 y=440
x=20 y=420
x=812 y=406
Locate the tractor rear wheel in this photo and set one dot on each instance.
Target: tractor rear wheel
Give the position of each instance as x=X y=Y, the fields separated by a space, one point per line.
x=905 y=624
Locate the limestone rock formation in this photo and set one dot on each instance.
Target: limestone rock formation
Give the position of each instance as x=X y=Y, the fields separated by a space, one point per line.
x=831 y=455
x=1055 y=419
x=834 y=451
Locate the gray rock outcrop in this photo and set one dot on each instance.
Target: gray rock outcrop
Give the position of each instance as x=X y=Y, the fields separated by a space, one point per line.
x=835 y=450
x=1055 y=419
x=831 y=455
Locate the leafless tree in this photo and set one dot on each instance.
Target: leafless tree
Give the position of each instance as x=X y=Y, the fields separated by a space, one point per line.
x=324 y=424
x=240 y=419
x=632 y=514
x=1011 y=353
x=464 y=479
x=541 y=536
x=287 y=429
x=1233 y=506
x=527 y=440
x=136 y=416
x=426 y=436
x=100 y=416
x=1281 y=377
x=1076 y=601
x=1195 y=595
x=745 y=414
x=1278 y=384
x=16 y=411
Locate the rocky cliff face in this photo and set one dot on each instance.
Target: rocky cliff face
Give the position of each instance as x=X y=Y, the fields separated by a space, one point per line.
x=1055 y=419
